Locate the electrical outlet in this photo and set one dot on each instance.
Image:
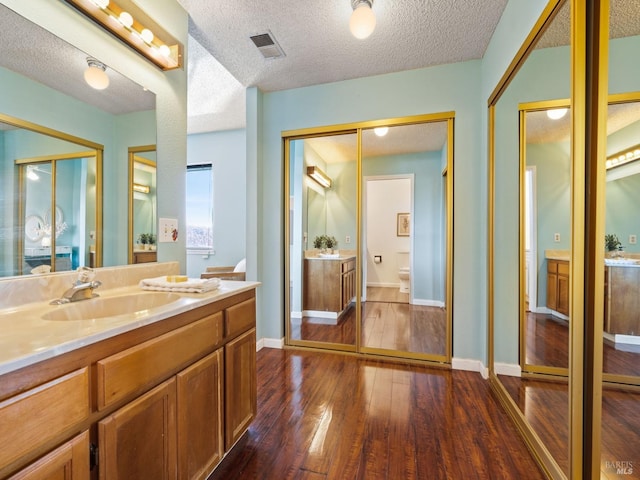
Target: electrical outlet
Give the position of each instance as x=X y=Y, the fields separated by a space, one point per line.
x=347 y=239
x=633 y=239
x=556 y=237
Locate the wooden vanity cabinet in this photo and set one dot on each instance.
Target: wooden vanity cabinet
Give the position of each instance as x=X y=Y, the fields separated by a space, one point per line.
x=70 y=461
x=139 y=440
x=329 y=284
x=558 y=286
x=159 y=401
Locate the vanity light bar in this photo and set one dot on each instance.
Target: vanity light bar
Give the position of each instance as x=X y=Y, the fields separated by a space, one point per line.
x=128 y=22
x=319 y=176
x=623 y=157
x=138 y=187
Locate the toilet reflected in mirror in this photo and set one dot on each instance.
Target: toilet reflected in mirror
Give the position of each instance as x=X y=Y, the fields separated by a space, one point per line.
x=404 y=271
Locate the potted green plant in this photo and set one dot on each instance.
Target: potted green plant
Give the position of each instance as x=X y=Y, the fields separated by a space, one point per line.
x=331 y=243
x=143 y=239
x=152 y=240
x=320 y=242
x=612 y=243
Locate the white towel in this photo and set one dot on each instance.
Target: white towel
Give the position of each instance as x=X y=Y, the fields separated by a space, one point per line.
x=192 y=285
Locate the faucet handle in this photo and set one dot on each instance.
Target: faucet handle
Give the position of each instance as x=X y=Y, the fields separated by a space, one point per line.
x=85 y=274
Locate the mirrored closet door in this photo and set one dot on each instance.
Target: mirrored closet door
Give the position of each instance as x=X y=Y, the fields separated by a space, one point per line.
x=369 y=227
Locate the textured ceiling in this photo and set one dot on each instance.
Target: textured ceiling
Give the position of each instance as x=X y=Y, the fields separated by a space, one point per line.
x=34 y=52
x=319 y=47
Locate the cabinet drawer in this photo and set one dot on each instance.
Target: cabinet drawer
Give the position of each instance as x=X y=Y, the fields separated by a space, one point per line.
x=37 y=416
x=563 y=268
x=240 y=317
x=152 y=361
x=552 y=266
x=348 y=266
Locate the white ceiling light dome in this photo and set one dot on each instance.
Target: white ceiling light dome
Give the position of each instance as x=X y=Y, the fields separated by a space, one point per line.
x=95 y=74
x=363 y=20
x=557 y=113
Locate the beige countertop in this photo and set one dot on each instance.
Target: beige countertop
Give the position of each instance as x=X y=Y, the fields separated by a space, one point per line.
x=563 y=255
x=27 y=338
x=339 y=257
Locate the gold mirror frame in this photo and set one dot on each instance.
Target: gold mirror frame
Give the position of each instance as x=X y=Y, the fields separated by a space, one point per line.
x=287 y=137
x=97 y=150
x=133 y=159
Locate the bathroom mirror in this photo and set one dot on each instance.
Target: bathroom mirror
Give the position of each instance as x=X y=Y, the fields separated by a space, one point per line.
x=406 y=174
x=42 y=77
x=322 y=191
x=142 y=204
x=530 y=383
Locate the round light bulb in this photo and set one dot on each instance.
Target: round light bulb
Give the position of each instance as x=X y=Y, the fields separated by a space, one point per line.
x=147 y=35
x=96 y=77
x=164 y=50
x=381 y=131
x=363 y=21
x=126 y=19
x=101 y=3
x=557 y=113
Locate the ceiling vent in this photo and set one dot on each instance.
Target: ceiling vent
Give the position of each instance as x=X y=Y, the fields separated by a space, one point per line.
x=267 y=45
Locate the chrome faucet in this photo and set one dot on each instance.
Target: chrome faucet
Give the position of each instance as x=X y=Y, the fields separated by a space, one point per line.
x=82 y=289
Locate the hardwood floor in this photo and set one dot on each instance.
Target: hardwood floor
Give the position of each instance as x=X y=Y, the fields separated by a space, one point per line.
x=389 y=322
x=404 y=327
x=330 y=416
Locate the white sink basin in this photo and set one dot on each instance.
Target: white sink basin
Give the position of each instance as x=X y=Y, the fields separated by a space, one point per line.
x=134 y=304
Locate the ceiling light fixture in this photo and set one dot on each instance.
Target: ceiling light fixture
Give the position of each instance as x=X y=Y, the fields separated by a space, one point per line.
x=623 y=157
x=95 y=74
x=363 y=20
x=31 y=173
x=557 y=113
x=319 y=176
x=138 y=187
x=381 y=131
x=130 y=24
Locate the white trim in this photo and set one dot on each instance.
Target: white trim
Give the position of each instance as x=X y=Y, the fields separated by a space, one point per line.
x=470 y=365
x=427 y=303
x=624 y=339
x=384 y=285
x=533 y=252
x=269 y=343
x=548 y=311
x=296 y=314
x=510 y=369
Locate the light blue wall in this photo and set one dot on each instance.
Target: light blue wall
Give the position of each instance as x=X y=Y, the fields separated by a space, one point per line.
x=439 y=89
x=226 y=150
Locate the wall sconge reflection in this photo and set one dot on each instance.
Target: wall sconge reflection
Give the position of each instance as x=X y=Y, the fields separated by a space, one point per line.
x=319 y=176
x=623 y=157
x=138 y=187
x=130 y=24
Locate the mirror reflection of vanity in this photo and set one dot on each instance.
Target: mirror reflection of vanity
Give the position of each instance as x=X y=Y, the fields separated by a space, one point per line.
x=142 y=204
x=48 y=99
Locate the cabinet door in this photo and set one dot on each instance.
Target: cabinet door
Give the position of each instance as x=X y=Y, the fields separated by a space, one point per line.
x=200 y=441
x=240 y=386
x=67 y=462
x=552 y=291
x=563 y=294
x=139 y=440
